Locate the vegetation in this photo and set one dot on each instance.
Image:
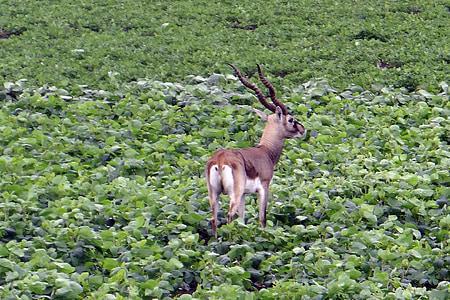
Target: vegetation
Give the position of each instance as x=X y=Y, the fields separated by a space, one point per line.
x=66 y=43
x=102 y=193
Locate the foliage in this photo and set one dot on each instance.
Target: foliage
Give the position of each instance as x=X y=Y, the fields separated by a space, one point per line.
x=102 y=189
x=103 y=195
x=66 y=43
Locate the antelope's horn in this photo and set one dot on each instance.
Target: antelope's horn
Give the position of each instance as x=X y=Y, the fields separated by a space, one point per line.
x=254 y=88
x=271 y=91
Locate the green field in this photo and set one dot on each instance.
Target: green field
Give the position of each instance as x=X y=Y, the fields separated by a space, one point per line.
x=401 y=43
x=103 y=146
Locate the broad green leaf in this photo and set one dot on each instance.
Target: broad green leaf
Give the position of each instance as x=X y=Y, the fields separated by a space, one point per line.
x=110 y=263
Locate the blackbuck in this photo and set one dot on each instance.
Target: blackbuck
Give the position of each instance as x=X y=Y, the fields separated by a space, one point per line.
x=237 y=172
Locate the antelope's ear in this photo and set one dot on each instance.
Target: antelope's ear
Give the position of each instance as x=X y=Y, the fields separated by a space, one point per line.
x=279 y=113
x=261 y=114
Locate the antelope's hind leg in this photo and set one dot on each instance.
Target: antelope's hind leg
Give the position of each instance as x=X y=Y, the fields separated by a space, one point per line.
x=214 y=189
x=214 y=203
x=234 y=180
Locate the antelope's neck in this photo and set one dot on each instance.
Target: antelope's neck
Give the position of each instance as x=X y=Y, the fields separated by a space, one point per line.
x=273 y=142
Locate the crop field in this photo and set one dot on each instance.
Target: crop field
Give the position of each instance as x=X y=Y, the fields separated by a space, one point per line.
x=66 y=43
x=109 y=111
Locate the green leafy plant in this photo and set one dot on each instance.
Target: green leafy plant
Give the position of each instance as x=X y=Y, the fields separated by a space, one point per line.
x=390 y=43
x=103 y=194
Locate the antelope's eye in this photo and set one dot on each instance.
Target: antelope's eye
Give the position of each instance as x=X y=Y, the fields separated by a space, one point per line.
x=291 y=120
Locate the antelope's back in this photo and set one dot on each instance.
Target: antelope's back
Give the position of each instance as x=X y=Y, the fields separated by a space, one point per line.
x=224 y=157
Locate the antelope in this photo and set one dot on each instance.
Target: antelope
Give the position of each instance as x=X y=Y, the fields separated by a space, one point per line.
x=237 y=172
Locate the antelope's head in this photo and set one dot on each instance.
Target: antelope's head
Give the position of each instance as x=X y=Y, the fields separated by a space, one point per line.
x=281 y=120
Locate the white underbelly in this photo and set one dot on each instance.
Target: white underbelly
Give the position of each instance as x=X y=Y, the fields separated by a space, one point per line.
x=252 y=185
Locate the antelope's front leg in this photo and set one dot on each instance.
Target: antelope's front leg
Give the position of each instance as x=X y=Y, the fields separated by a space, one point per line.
x=241 y=209
x=263 y=196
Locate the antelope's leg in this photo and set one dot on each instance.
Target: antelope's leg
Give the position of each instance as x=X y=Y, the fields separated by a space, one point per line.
x=263 y=196
x=214 y=184
x=241 y=209
x=214 y=203
x=235 y=204
x=237 y=192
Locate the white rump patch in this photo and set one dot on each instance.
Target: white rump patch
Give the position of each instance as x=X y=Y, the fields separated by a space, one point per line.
x=214 y=178
x=227 y=179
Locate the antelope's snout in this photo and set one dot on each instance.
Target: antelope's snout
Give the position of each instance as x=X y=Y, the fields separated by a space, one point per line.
x=300 y=128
